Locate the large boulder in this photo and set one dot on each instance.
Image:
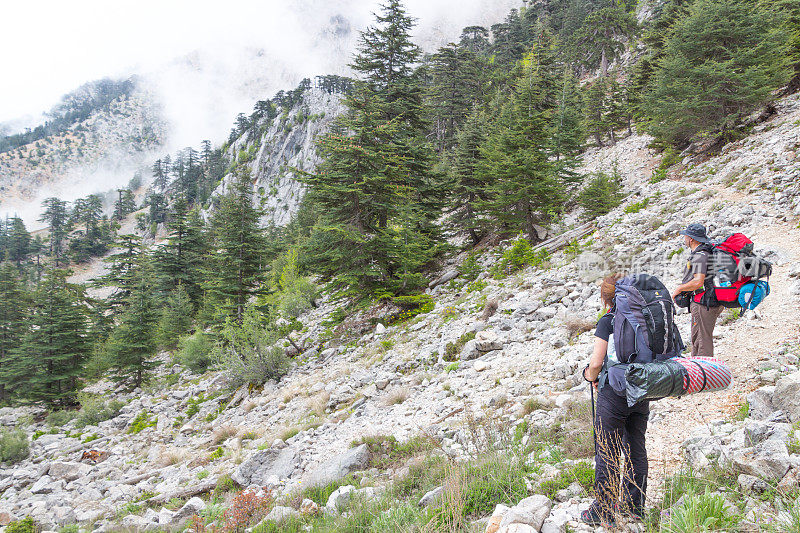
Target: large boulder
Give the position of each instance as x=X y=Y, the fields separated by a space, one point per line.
x=189 y=509
x=487 y=340
x=768 y=460
x=787 y=396
x=266 y=467
x=68 y=471
x=760 y=403
x=339 y=499
x=339 y=466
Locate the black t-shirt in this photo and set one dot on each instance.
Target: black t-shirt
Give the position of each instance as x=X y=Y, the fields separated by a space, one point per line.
x=605 y=327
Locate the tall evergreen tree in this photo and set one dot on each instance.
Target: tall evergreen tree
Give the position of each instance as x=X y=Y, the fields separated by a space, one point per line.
x=235 y=269
x=469 y=186
x=601 y=35
x=375 y=187
x=48 y=363
x=528 y=184
x=56 y=216
x=180 y=260
x=721 y=61
x=18 y=242
x=131 y=347
x=13 y=312
x=124 y=205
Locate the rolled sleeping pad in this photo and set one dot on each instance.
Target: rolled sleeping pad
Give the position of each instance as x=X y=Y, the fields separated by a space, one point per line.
x=751 y=294
x=675 y=377
x=706 y=374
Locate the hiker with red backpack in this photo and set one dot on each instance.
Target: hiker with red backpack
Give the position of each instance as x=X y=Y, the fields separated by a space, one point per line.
x=726 y=274
x=704 y=312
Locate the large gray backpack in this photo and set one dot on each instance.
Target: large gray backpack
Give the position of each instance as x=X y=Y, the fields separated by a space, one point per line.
x=644 y=327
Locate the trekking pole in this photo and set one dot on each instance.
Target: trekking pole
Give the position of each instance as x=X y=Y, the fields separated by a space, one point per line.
x=591 y=392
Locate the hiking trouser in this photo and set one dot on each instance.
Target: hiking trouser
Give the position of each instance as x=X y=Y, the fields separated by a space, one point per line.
x=620 y=431
x=703 y=321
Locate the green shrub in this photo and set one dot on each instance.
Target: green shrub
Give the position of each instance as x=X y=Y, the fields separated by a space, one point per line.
x=476 y=286
x=195 y=352
x=602 y=194
x=700 y=512
x=470 y=269
x=638 y=206
x=387 y=452
x=486 y=483
x=291 y=524
x=216 y=454
x=250 y=353
x=26 y=525
x=57 y=419
x=293 y=293
x=225 y=484
x=141 y=422
x=14 y=446
x=580 y=472
x=320 y=494
x=95 y=410
x=453 y=349
x=519 y=255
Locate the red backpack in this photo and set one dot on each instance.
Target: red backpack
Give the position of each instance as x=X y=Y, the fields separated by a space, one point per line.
x=731 y=265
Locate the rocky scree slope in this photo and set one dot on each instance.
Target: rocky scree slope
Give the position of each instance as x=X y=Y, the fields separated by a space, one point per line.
x=429 y=376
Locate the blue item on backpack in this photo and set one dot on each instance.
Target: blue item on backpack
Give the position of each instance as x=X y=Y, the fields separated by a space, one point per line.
x=751 y=294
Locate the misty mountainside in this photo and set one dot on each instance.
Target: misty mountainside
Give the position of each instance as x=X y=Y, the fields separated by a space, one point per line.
x=101 y=129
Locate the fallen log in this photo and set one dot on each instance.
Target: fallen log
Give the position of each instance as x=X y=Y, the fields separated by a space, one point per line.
x=188 y=492
x=560 y=241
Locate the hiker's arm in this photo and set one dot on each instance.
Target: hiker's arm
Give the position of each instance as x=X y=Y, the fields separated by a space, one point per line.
x=596 y=361
x=692 y=285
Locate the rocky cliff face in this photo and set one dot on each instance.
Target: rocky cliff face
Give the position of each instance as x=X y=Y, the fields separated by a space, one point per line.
x=287 y=144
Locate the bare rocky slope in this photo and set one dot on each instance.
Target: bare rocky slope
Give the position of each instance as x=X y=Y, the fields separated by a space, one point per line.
x=442 y=374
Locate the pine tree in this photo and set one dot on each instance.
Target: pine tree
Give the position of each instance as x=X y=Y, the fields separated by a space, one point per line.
x=124 y=205
x=456 y=83
x=48 y=364
x=159 y=176
x=528 y=184
x=721 y=61
x=13 y=312
x=600 y=38
x=175 y=318
x=469 y=187
x=180 y=260
x=568 y=135
x=131 y=347
x=235 y=270
x=376 y=192
x=121 y=266
x=56 y=216
x=18 y=242
x=595 y=110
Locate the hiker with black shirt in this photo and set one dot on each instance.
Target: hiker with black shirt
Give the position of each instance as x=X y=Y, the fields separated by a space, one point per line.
x=619 y=430
x=704 y=315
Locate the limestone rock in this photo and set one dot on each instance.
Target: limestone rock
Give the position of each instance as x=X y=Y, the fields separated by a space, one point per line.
x=768 y=460
x=760 y=403
x=189 y=509
x=68 y=471
x=431 y=497
x=266 y=467
x=338 y=467
x=487 y=340
x=280 y=513
x=493 y=525
x=787 y=396
x=339 y=498
x=532 y=511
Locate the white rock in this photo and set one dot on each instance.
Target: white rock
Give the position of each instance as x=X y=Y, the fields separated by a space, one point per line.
x=480 y=366
x=339 y=498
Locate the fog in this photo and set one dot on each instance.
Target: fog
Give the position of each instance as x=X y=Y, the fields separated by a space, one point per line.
x=203 y=62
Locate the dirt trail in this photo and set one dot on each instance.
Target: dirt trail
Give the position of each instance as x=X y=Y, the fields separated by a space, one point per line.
x=745 y=344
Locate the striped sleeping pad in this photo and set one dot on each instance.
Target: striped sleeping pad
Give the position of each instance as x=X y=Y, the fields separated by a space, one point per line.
x=675 y=377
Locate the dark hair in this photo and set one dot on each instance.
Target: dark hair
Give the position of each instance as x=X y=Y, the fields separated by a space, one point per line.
x=607 y=289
